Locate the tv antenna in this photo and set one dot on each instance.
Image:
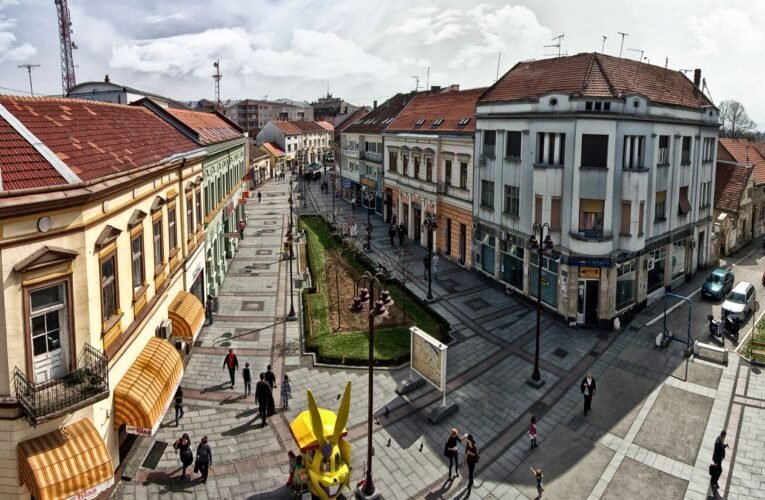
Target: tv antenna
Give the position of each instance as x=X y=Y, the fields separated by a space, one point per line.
x=499 y=58
x=622 y=45
x=29 y=70
x=603 y=45
x=557 y=44
x=416 y=83
x=641 y=53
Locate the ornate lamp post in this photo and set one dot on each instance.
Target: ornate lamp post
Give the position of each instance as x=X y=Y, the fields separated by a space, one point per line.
x=430 y=224
x=291 y=316
x=534 y=246
x=375 y=309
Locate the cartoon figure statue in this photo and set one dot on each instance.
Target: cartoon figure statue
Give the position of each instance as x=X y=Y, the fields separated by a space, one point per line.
x=320 y=435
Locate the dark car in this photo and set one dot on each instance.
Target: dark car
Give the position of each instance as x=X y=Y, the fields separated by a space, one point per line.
x=718 y=284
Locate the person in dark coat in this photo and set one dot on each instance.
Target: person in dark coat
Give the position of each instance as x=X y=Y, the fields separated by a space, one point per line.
x=183 y=447
x=717 y=457
x=209 y=309
x=401 y=234
x=270 y=377
x=178 y=405
x=232 y=363
x=588 y=390
x=262 y=395
x=471 y=457
x=204 y=459
x=247 y=378
x=452 y=452
x=392 y=233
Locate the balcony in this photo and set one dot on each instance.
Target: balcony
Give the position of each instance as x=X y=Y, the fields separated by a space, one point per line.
x=591 y=235
x=86 y=385
x=370 y=156
x=351 y=153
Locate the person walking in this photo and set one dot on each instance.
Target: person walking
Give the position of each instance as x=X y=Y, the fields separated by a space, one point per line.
x=538 y=476
x=451 y=450
x=401 y=234
x=204 y=459
x=247 y=378
x=183 y=447
x=178 y=405
x=262 y=392
x=588 y=390
x=259 y=196
x=392 y=234
x=270 y=377
x=242 y=225
x=286 y=393
x=717 y=457
x=232 y=363
x=209 y=308
x=471 y=457
x=533 y=432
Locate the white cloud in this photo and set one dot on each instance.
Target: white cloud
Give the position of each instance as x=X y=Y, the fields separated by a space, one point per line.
x=10 y=49
x=164 y=18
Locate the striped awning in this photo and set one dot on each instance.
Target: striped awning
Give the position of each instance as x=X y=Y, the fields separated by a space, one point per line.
x=187 y=314
x=69 y=462
x=143 y=395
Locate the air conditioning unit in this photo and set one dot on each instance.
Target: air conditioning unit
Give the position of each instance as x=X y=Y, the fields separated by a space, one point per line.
x=165 y=329
x=649 y=264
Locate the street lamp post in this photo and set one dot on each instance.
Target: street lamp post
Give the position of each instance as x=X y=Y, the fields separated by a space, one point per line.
x=291 y=316
x=430 y=223
x=546 y=246
x=376 y=309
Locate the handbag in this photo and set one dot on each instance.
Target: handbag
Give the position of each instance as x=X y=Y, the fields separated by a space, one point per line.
x=447 y=452
x=196 y=466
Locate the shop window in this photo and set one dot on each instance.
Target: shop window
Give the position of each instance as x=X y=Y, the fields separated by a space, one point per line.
x=655 y=263
x=678 y=258
x=626 y=281
x=549 y=279
x=511 y=270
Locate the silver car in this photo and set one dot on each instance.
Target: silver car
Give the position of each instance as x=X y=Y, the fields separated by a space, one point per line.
x=740 y=301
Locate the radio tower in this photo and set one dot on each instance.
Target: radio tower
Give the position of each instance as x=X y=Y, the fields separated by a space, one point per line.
x=217 y=76
x=65 y=40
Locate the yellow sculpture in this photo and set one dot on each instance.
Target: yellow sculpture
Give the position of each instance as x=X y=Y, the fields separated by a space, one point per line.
x=320 y=436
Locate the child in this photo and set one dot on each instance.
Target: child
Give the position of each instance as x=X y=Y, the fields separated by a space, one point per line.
x=538 y=475
x=286 y=393
x=293 y=464
x=533 y=432
x=247 y=377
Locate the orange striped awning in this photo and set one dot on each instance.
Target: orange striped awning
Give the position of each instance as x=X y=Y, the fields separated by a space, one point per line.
x=143 y=395
x=71 y=461
x=187 y=314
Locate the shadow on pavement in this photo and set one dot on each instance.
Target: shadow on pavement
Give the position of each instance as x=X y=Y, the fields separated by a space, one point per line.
x=216 y=388
x=241 y=429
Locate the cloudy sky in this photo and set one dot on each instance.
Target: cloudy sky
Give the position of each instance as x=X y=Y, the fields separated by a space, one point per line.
x=369 y=50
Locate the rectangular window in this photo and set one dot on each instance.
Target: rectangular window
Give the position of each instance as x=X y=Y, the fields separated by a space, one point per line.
x=634 y=147
x=199 y=210
x=109 y=287
x=136 y=252
x=624 y=227
x=392 y=161
x=487 y=194
x=512 y=200
x=684 y=204
x=49 y=309
x=641 y=217
x=663 y=150
x=172 y=230
x=555 y=214
x=513 y=149
x=661 y=204
x=685 y=158
x=189 y=216
x=709 y=149
x=448 y=172
x=157 y=236
x=594 y=150
x=429 y=169
x=538 y=201
x=405 y=165
x=463 y=174
x=416 y=160
x=551 y=148
x=626 y=283
x=489 y=142
x=591 y=217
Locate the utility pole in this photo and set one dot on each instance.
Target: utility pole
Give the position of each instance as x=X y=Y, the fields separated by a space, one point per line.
x=217 y=76
x=29 y=70
x=416 y=83
x=622 y=45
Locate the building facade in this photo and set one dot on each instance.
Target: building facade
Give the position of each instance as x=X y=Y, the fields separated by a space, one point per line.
x=107 y=91
x=260 y=166
x=328 y=107
x=617 y=158
x=251 y=114
x=429 y=151
x=734 y=209
x=100 y=218
x=303 y=142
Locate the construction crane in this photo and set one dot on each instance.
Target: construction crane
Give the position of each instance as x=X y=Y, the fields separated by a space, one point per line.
x=217 y=76
x=65 y=40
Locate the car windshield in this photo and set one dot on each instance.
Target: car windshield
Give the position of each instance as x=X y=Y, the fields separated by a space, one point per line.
x=737 y=297
x=715 y=278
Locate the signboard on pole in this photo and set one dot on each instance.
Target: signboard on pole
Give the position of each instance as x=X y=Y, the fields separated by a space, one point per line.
x=428 y=358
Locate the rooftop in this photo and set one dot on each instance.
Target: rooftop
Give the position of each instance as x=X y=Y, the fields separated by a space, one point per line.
x=746 y=153
x=730 y=183
x=273 y=148
x=211 y=128
x=377 y=120
x=451 y=111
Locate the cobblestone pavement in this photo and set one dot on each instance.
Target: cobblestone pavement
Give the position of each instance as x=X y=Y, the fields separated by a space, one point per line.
x=650 y=434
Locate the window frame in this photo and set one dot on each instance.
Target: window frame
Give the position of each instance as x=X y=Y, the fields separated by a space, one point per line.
x=448 y=172
x=487 y=194
x=158 y=245
x=512 y=200
x=114 y=282
x=463 y=174
x=488 y=149
x=172 y=228
x=592 y=145
x=141 y=256
x=513 y=138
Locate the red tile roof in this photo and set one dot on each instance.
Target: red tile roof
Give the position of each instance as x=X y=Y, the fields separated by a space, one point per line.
x=307 y=126
x=450 y=108
x=326 y=126
x=21 y=166
x=273 y=149
x=96 y=139
x=256 y=153
x=744 y=152
x=344 y=121
x=730 y=183
x=596 y=75
x=211 y=128
x=287 y=127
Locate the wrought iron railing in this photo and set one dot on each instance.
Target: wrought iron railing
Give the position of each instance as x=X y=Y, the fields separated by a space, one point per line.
x=87 y=384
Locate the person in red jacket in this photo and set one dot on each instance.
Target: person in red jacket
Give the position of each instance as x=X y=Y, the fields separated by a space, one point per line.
x=242 y=225
x=232 y=363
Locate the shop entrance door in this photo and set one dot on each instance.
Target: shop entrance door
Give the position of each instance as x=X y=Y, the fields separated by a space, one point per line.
x=587 y=302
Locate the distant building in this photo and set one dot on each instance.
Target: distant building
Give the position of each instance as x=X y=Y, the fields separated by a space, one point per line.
x=327 y=108
x=252 y=114
x=259 y=170
x=107 y=91
x=302 y=141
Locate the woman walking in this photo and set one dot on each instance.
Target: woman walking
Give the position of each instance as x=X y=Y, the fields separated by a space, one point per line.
x=471 y=457
x=183 y=447
x=204 y=459
x=533 y=432
x=286 y=393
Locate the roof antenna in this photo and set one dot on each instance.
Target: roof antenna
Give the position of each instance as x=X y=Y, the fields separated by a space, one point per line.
x=603 y=45
x=416 y=83
x=499 y=58
x=427 y=79
x=622 y=45
x=641 y=53
x=557 y=44
x=29 y=70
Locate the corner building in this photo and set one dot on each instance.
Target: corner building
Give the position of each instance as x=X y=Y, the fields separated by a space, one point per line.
x=617 y=157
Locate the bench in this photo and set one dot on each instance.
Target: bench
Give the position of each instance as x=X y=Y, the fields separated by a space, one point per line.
x=699 y=346
x=756 y=348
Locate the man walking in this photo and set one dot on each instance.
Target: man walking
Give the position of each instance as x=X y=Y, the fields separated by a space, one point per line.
x=232 y=363
x=241 y=229
x=209 y=308
x=588 y=390
x=717 y=457
x=262 y=393
x=259 y=195
x=178 y=405
x=247 y=378
x=204 y=459
x=401 y=234
x=392 y=234
x=270 y=377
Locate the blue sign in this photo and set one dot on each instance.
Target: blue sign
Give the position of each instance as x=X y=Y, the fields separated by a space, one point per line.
x=346 y=183
x=589 y=262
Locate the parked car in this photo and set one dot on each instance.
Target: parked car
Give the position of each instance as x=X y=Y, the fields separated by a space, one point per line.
x=740 y=300
x=718 y=284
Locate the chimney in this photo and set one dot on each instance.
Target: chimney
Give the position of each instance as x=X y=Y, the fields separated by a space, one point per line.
x=435 y=88
x=374 y=104
x=106 y=79
x=697 y=78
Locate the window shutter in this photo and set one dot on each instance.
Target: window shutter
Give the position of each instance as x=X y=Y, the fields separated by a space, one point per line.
x=538 y=210
x=555 y=216
x=626 y=209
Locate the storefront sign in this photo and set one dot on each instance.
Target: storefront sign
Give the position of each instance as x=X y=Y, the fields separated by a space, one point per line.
x=368 y=182
x=94 y=491
x=145 y=431
x=589 y=262
x=589 y=272
x=243 y=201
x=231 y=235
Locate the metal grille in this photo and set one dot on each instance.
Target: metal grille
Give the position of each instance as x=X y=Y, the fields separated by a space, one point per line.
x=85 y=385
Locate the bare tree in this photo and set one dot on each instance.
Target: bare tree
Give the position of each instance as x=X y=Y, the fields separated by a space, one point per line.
x=735 y=121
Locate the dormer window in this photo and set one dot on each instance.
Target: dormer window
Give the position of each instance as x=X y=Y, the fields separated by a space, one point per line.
x=438 y=122
x=419 y=123
x=463 y=122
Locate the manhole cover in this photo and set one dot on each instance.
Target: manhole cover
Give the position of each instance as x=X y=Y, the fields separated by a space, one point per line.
x=155 y=455
x=560 y=353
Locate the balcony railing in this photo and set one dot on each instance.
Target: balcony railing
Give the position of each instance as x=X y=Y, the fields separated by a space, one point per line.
x=351 y=153
x=86 y=385
x=375 y=157
x=591 y=235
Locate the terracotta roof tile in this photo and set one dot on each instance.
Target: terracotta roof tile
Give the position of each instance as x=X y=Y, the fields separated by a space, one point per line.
x=377 y=120
x=287 y=127
x=448 y=109
x=596 y=75
x=326 y=126
x=744 y=152
x=211 y=128
x=21 y=166
x=730 y=182
x=96 y=139
x=273 y=148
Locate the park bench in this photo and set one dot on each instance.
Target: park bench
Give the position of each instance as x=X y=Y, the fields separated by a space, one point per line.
x=756 y=348
x=698 y=347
